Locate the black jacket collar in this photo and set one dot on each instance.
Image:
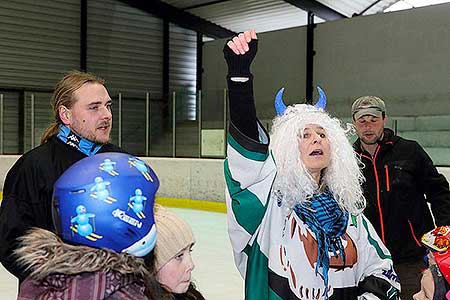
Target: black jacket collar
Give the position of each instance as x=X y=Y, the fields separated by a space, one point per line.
x=389 y=139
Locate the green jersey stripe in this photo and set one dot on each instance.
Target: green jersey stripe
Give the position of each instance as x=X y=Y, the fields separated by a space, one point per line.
x=374 y=243
x=247 y=208
x=273 y=295
x=257 y=275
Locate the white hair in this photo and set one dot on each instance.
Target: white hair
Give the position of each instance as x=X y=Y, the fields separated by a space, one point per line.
x=293 y=183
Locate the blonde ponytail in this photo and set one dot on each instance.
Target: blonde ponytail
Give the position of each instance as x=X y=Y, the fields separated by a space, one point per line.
x=49 y=132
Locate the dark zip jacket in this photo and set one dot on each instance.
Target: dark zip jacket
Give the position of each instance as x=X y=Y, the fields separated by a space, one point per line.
x=400 y=180
x=27 y=194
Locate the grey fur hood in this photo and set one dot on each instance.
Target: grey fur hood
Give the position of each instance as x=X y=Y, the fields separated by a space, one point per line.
x=43 y=253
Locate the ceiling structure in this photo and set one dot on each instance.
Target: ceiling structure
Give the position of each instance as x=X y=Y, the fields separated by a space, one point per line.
x=225 y=18
x=270 y=15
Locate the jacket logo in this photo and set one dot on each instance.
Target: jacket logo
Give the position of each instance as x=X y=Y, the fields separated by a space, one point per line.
x=72 y=144
x=72 y=137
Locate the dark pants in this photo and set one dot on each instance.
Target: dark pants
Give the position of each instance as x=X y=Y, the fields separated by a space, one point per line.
x=410 y=274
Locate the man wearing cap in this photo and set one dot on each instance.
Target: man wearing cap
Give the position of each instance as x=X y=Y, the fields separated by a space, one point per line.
x=400 y=180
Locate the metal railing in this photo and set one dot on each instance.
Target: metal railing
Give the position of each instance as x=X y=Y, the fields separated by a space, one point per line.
x=1 y=124
x=147 y=125
x=179 y=127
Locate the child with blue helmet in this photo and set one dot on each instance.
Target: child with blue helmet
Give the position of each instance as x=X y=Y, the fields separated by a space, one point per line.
x=104 y=228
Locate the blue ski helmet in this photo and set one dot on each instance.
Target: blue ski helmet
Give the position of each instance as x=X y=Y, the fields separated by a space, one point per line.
x=106 y=201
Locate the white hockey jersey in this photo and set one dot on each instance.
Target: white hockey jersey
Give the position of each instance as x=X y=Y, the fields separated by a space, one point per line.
x=276 y=253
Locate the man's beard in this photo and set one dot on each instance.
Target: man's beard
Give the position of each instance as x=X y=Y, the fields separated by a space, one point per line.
x=375 y=141
x=90 y=135
x=370 y=142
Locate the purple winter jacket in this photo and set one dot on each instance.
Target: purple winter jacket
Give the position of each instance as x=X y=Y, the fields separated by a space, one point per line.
x=60 y=271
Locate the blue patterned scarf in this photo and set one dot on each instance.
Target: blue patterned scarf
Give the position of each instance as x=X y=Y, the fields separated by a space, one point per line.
x=325 y=218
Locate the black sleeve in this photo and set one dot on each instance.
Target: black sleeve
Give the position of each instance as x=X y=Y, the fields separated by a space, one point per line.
x=378 y=287
x=434 y=186
x=16 y=215
x=242 y=104
x=242 y=108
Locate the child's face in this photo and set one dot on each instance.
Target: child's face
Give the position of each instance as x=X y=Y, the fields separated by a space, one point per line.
x=426 y=287
x=175 y=276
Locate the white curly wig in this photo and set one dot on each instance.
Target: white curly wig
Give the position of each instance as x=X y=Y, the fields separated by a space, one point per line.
x=293 y=182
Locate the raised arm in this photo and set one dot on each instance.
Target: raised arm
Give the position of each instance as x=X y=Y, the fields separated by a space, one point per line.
x=249 y=169
x=239 y=53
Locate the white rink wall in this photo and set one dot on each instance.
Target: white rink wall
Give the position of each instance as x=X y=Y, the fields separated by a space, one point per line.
x=185 y=178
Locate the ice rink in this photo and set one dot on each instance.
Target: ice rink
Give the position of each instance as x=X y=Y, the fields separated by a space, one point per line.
x=214 y=273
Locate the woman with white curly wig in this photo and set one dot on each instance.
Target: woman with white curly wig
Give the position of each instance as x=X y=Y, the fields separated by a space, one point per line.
x=294 y=202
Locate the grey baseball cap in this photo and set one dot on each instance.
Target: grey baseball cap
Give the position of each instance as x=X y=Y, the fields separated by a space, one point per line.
x=368 y=105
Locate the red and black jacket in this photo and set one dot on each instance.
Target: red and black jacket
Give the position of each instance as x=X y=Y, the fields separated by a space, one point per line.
x=400 y=180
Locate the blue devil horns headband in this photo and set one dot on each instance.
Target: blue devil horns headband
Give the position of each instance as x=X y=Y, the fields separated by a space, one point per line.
x=280 y=107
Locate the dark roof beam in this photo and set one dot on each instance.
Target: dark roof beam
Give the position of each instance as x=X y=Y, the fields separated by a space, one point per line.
x=204 y=4
x=367 y=8
x=317 y=9
x=181 y=18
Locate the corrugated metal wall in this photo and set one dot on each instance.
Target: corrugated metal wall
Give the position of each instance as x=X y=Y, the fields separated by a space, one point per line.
x=183 y=70
x=125 y=46
x=40 y=40
x=182 y=80
x=10 y=120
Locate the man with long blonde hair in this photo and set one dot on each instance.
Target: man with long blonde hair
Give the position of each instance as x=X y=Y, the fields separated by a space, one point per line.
x=81 y=128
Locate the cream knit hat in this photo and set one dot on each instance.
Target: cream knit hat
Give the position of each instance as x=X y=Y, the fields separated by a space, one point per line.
x=173 y=235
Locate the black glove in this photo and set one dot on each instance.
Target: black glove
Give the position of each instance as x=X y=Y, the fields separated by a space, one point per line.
x=239 y=65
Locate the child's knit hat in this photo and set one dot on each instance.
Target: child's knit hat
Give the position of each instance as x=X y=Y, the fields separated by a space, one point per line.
x=174 y=234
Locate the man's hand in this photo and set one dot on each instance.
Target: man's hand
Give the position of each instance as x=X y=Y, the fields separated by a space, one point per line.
x=239 y=53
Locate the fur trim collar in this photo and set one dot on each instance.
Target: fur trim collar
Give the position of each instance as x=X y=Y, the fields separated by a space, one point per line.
x=43 y=253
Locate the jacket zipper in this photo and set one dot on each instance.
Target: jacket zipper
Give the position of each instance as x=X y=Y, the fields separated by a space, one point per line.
x=388 y=187
x=380 y=211
x=413 y=234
